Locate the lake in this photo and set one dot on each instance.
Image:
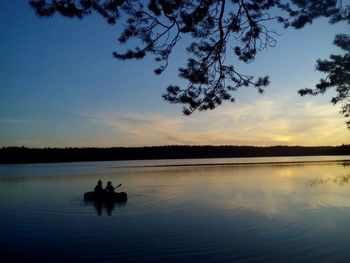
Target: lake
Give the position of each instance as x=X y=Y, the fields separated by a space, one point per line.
x=286 y=209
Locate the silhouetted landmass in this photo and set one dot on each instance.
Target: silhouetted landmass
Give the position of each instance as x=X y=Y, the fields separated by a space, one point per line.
x=48 y=155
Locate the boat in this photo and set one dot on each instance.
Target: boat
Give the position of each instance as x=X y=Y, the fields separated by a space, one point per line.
x=105 y=197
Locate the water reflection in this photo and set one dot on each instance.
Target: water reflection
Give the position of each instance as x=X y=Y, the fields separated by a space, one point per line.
x=105 y=207
x=207 y=213
x=346 y=163
x=339 y=180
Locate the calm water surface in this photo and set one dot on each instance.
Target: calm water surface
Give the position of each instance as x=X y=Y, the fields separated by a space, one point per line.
x=208 y=210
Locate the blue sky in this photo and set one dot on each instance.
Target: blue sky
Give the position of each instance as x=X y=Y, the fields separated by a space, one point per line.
x=61 y=87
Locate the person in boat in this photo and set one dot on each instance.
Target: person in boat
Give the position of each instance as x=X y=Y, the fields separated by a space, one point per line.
x=109 y=188
x=98 y=188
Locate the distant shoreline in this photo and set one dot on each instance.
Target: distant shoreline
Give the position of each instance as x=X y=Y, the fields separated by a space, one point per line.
x=343 y=161
x=17 y=155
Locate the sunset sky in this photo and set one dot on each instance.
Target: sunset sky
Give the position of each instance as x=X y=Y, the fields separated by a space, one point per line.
x=61 y=87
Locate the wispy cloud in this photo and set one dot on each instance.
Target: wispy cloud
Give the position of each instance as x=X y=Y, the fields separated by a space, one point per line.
x=265 y=122
x=14 y=121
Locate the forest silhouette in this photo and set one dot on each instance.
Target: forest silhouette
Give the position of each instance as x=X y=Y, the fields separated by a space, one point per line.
x=48 y=155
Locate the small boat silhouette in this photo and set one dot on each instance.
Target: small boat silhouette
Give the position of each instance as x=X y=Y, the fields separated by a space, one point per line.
x=105 y=197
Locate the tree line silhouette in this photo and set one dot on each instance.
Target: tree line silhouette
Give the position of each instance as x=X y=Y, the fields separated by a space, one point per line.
x=48 y=155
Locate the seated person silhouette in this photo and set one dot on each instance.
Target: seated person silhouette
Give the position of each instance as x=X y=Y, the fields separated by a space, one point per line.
x=98 y=188
x=109 y=188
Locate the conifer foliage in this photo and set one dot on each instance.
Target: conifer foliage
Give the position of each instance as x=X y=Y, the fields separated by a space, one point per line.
x=223 y=33
x=219 y=28
x=337 y=70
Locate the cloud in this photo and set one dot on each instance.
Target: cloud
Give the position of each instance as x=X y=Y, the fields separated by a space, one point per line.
x=264 y=122
x=14 y=121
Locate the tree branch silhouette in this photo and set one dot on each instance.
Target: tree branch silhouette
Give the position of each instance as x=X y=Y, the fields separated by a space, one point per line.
x=213 y=25
x=337 y=68
x=218 y=28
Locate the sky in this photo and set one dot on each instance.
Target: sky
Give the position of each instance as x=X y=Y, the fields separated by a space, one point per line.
x=61 y=87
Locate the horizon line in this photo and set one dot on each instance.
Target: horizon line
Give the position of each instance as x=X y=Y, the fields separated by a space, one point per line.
x=169 y=145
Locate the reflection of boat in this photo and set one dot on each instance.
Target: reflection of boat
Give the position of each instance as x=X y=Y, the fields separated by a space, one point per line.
x=105 y=197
